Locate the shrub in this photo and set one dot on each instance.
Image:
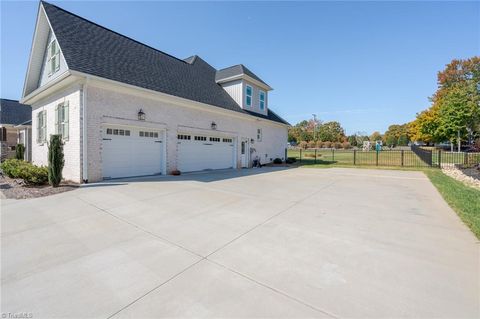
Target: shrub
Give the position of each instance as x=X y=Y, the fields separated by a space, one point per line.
x=29 y=173
x=337 y=145
x=302 y=144
x=318 y=144
x=291 y=160
x=34 y=175
x=311 y=144
x=277 y=161
x=327 y=144
x=20 y=151
x=55 y=160
x=346 y=145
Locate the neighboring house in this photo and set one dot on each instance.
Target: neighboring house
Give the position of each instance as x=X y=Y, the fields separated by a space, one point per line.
x=15 y=128
x=126 y=109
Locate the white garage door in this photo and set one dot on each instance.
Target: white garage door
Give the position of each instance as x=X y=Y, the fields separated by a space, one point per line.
x=201 y=152
x=129 y=151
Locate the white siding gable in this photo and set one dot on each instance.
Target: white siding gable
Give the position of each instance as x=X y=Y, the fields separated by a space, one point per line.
x=46 y=74
x=237 y=90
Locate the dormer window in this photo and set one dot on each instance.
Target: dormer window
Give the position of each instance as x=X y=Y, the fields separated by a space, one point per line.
x=248 y=95
x=261 y=98
x=53 y=61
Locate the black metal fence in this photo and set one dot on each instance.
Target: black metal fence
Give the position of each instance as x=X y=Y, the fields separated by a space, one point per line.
x=414 y=157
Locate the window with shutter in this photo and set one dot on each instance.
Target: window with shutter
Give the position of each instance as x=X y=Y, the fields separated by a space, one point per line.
x=41 y=127
x=53 y=57
x=62 y=120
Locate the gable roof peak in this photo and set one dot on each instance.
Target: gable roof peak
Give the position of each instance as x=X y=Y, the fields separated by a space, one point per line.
x=48 y=4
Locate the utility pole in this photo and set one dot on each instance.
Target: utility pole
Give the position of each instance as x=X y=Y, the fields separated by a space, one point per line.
x=458 y=141
x=314 y=127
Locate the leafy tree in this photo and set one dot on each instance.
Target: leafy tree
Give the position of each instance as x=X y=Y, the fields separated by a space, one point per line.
x=376 y=136
x=403 y=140
x=55 y=160
x=20 y=151
x=458 y=112
x=394 y=133
x=331 y=131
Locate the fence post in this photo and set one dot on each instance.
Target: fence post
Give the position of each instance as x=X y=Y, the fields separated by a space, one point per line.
x=402 y=156
x=315 y=156
x=376 y=158
x=333 y=155
x=439 y=158
x=465 y=158
x=354 y=157
x=300 y=155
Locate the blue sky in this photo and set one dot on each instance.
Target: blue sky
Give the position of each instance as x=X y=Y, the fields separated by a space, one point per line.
x=364 y=64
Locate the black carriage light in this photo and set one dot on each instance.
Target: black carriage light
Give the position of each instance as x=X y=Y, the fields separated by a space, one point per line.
x=213 y=126
x=141 y=115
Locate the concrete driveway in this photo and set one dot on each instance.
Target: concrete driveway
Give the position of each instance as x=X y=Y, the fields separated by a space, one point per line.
x=251 y=243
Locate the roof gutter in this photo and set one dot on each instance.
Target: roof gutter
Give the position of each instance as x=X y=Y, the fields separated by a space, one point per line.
x=245 y=77
x=178 y=100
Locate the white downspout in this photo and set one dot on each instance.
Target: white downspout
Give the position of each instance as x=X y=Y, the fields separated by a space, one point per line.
x=84 y=134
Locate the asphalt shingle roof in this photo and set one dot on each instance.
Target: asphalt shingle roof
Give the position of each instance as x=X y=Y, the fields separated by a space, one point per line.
x=93 y=49
x=14 y=113
x=236 y=70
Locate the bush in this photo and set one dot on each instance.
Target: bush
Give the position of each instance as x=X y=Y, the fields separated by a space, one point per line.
x=291 y=160
x=302 y=145
x=277 y=161
x=318 y=144
x=55 y=160
x=20 y=151
x=29 y=173
x=346 y=145
x=311 y=144
x=337 y=145
x=327 y=144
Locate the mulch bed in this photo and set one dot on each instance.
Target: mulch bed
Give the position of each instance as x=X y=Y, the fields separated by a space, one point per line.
x=14 y=188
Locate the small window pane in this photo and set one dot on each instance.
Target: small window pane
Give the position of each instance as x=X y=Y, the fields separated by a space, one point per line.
x=140 y=133
x=127 y=132
x=121 y=132
x=109 y=131
x=155 y=134
x=249 y=100
x=115 y=132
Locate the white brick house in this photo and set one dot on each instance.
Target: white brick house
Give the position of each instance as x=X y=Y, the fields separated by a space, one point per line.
x=126 y=109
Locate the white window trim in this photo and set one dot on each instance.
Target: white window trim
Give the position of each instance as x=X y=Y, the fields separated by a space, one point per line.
x=53 y=69
x=63 y=124
x=42 y=129
x=260 y=92
x=251 y=95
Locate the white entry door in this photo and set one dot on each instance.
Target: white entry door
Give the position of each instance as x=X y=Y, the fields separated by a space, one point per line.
x=129 y=151
x=201 y=152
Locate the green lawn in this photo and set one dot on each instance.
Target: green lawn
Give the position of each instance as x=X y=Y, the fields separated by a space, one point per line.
x=463 y=199
x=346 y=157
x=385 y=158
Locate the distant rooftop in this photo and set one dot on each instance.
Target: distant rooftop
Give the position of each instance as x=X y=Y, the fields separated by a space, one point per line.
x=14 y=113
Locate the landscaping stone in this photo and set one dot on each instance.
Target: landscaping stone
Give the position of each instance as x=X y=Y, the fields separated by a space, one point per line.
x=469 y=176
x=16 y=189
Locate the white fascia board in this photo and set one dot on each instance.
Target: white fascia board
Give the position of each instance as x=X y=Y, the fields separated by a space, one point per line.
x=115 y=85
x=245 y=77
x=33 y=97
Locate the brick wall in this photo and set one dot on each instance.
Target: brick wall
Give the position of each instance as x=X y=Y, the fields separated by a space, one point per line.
x=71 y=170
x=120 y=106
